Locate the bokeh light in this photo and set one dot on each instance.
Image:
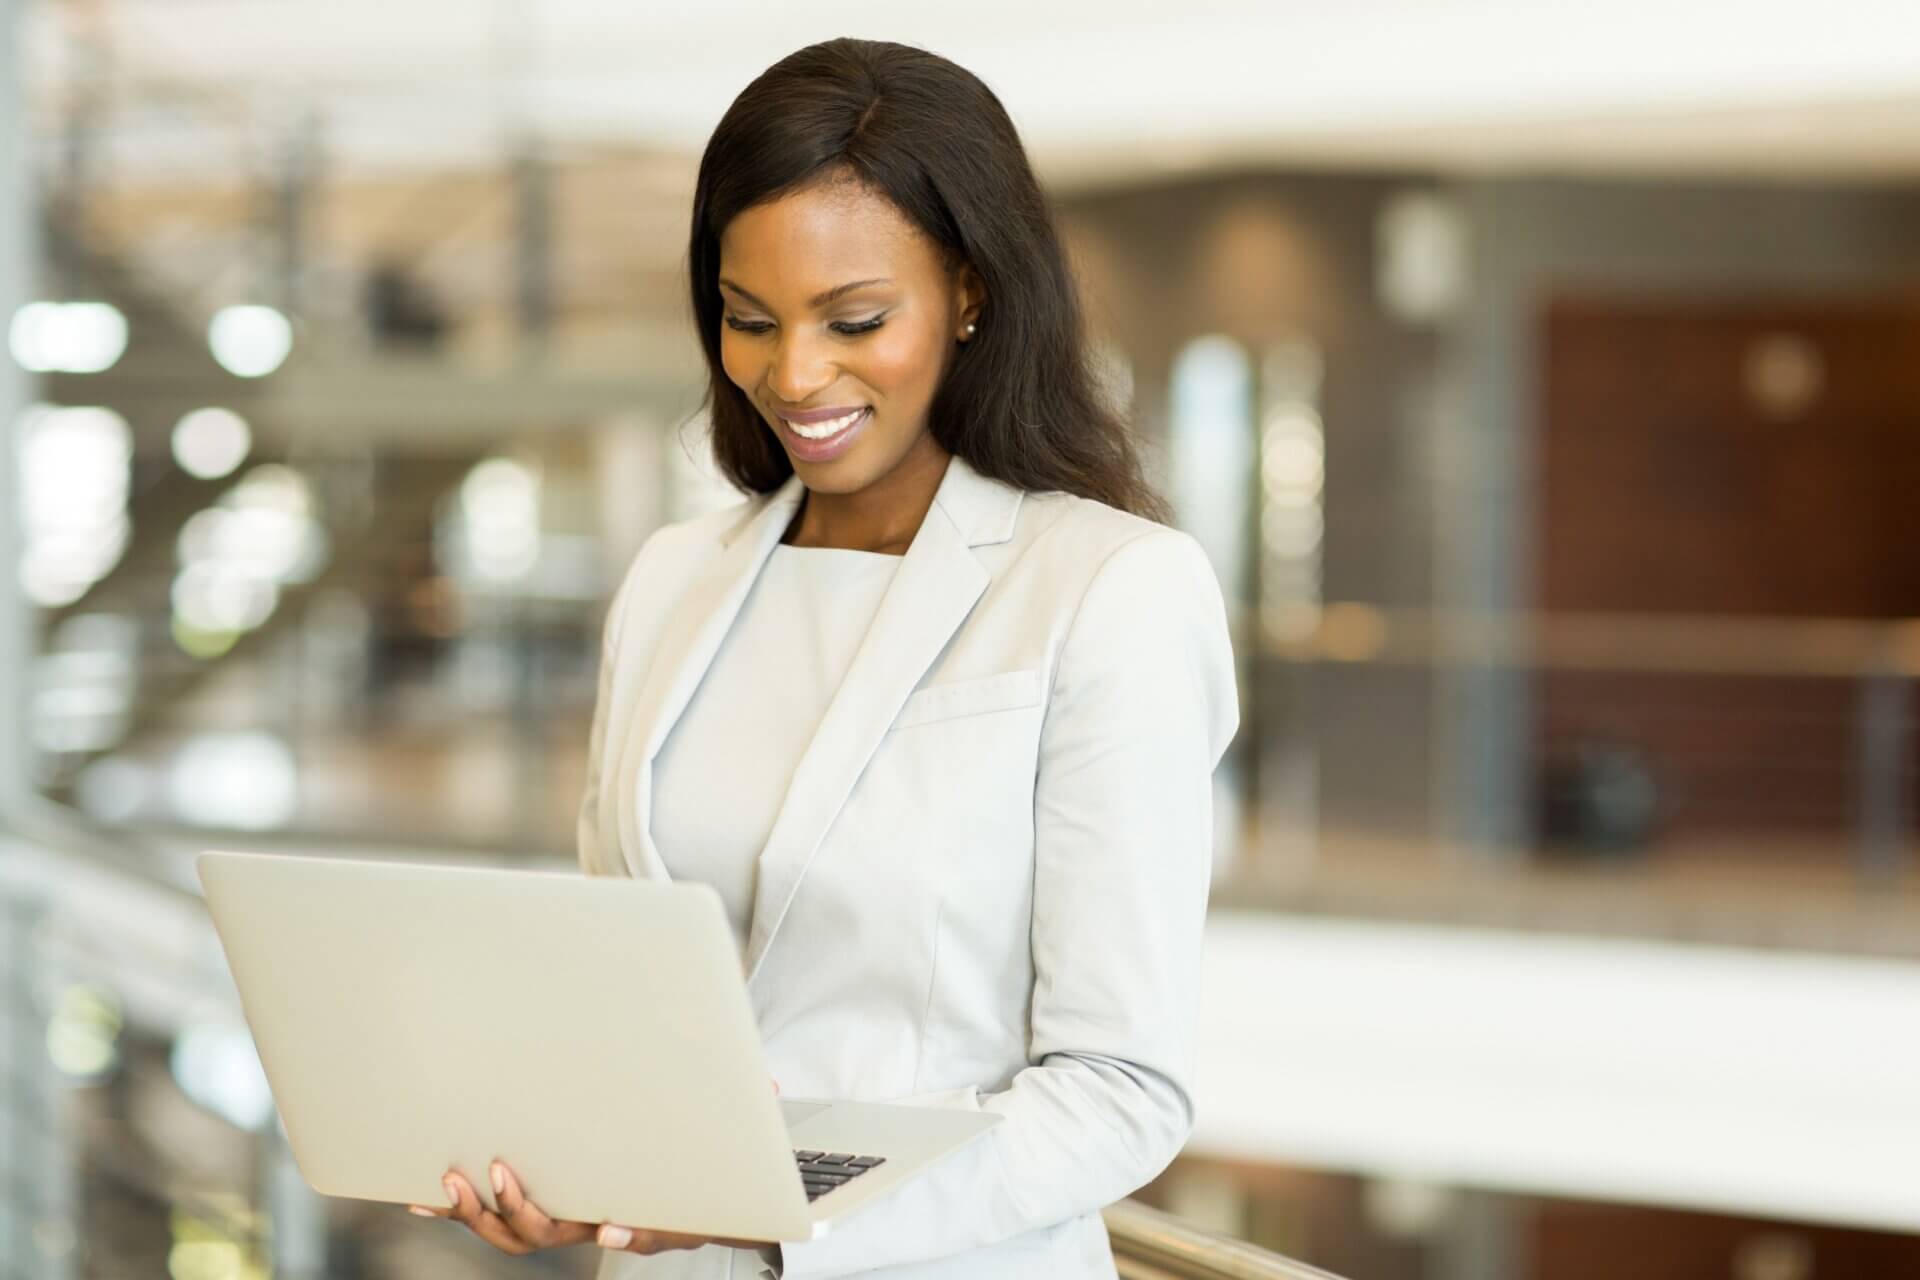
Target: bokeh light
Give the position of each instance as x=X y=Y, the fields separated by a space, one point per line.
x=211 y=443
x=250 y=341
x=68 y=337
x=242 y=780
x=75 y=470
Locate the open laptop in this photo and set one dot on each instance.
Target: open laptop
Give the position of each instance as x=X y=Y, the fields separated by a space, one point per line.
x=593 y=1033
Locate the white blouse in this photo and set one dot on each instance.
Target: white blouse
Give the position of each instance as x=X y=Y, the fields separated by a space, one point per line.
x=755 y=711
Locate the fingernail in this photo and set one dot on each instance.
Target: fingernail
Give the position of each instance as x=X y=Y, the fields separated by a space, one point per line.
x=452 y=1190
x=614 y=1237
x=425 y=1213
x=499 y=1180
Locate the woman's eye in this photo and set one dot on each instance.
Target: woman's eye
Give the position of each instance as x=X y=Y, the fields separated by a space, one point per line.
x=844 y=328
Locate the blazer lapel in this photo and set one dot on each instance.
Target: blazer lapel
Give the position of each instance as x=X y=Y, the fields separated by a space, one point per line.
x=933 y=590
x=687 y=647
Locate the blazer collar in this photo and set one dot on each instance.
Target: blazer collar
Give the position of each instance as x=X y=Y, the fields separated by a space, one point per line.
x=932 y=591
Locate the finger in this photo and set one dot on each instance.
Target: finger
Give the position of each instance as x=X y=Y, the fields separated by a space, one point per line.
x=631 y=1239
x=526 y=1219
x=620 y=1239
x=424 y=1212
x=776 y=1086
x=480 y=1220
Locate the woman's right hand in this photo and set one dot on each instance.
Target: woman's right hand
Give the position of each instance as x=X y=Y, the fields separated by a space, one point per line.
x=520 y=1227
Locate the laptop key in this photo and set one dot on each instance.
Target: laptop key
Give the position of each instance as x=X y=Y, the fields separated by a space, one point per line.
x=824 y=1171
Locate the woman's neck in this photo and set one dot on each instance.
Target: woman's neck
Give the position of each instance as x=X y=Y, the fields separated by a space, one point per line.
x=882 y=517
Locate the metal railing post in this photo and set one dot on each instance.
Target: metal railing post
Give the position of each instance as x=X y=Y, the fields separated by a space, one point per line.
x=37 y=1238
x=16 y=234
x=1883 y=755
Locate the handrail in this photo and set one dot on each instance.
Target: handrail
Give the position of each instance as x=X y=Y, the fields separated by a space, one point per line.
x=1680 y=644
x=1151 y=1245
x=126 y=850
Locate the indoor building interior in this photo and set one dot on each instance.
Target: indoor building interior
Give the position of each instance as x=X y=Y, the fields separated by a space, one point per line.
x=1543 y=383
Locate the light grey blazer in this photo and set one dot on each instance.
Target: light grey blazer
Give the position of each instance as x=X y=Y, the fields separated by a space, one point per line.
x=986 y=885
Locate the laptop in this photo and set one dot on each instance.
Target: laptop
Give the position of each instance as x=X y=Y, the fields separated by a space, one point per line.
x=594 y=1033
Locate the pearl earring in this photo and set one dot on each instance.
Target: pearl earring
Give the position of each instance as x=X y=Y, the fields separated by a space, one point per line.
x=970 y=327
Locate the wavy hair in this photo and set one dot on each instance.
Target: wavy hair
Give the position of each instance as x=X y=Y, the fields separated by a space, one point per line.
x=1020 y=400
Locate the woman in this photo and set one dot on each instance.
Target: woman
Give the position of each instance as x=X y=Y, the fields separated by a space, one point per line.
x=937 y=709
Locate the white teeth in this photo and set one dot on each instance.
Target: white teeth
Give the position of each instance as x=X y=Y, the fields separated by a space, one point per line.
x=821 y=430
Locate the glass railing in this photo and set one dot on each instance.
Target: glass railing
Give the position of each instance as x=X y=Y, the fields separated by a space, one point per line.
x=140 y=1138
x=137 y=1136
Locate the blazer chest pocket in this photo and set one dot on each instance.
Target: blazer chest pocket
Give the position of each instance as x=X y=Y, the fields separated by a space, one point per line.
x=1005 y=691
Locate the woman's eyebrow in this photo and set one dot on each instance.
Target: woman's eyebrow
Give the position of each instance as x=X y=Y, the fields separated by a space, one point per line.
x=818 y=299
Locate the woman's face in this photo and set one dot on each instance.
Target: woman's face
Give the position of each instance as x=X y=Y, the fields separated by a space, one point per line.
x=834 y=301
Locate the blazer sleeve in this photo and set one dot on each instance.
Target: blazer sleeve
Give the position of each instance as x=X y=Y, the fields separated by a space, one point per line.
x=1142 y=708
x=594 y=845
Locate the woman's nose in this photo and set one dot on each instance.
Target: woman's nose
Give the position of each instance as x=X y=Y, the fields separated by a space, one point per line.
x=799 y=372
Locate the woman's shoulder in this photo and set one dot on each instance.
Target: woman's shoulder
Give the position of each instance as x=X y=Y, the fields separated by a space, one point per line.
x=705 y=529
x=1066 y=529
x=683 y=545
x=674 y=552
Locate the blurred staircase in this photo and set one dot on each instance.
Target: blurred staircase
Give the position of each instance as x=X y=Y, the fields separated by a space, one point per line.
x=377 y=530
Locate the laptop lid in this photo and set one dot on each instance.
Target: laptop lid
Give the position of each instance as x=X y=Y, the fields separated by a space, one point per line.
x=595 y=1033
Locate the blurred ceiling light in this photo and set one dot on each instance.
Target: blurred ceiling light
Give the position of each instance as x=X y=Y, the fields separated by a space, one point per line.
x=215 y=597
x=84 y=1032
x=236 y=555
x=250 y=341
x=259 y=541
x=500 y=520
x=74 y=473
x=78 y=717
x=74 y=466
x=1292 y=532
x=246 y=781
x=211 y=443
x=218 y=1067
x=1293 y=453
x=1421 y=244
x=68 y=337
x=1293 y=473
x=274 y=487
x=201 y=644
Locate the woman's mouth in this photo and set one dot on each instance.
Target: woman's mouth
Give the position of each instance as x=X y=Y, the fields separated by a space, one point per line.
x=824 y=440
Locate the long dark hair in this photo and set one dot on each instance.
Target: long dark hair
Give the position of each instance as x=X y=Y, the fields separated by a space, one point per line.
x=1019 y=401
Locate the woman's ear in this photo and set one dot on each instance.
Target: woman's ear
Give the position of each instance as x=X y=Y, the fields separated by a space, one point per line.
x=970 y=295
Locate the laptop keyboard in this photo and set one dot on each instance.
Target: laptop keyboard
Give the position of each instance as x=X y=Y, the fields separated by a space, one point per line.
x=822 y=1171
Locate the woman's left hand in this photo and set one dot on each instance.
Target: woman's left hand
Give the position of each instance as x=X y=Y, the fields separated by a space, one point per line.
x=521 y=1227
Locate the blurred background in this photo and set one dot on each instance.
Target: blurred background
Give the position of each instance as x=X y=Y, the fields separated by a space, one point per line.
x=1544 y=382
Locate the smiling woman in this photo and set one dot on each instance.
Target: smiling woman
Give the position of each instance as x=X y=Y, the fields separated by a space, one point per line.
x=935 y=711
